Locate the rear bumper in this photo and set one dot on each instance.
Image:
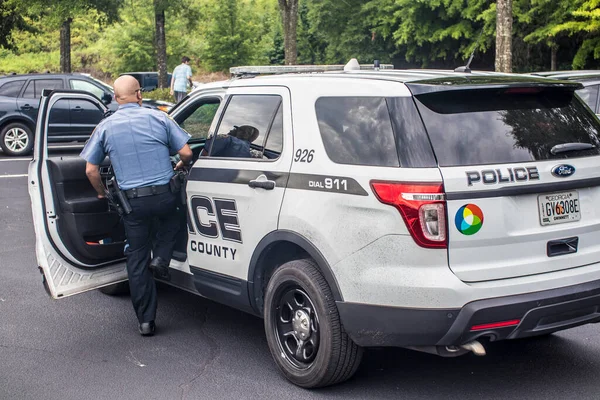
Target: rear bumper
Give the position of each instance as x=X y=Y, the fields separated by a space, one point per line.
x=538 y=313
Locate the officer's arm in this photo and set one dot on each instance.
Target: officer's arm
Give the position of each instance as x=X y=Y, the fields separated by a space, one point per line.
x=185 y=154
x=93 y=173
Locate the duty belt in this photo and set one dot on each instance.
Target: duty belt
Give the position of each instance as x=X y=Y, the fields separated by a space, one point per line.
x=146 y=191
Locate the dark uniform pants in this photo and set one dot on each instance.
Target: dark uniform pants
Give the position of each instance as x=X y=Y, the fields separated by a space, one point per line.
x=138 y=229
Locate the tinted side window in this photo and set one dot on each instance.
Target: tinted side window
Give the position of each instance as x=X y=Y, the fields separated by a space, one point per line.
x=87 y=87
x=274 y=143
x=414 y=148
x=29 y=92
x=357 y=130
x=11 y=89
x=41 y=84
x=589 y=94
x=244 y=127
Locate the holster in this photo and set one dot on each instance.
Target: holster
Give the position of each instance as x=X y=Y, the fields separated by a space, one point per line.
x=178 y=184
x=117 y=198
x=175 y=183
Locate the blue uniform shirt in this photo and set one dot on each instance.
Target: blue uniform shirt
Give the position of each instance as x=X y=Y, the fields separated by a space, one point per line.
x=138 y=142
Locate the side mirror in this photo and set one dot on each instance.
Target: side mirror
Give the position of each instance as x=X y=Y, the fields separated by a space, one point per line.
x=107 y=98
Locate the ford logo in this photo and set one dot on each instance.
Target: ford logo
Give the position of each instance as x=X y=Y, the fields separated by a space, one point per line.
x=563 y=170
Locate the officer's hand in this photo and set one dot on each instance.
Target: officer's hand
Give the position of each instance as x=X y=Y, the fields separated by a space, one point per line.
x=179 y=165
x=101 y=196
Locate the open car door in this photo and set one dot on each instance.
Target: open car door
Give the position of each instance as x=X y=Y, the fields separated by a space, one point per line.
x=79 y=239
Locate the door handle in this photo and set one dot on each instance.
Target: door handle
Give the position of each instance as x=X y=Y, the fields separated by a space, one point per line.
x=262 y=183
x=26 y=107
x=562 y=246
x=77 y=109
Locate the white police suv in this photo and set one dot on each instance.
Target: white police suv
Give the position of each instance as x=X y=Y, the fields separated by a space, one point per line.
x=424 y=209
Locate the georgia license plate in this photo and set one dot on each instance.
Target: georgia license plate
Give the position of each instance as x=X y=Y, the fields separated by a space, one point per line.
x=558 y=208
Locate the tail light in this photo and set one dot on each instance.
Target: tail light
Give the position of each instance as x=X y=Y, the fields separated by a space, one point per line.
x=422 y=206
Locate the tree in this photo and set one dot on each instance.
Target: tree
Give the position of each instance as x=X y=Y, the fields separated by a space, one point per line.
x=439 y=33
x=160 y=42
x=585 y=20
x=10 y=19
x=537 y=21
x=289 y=16
x=504 y=22
x=61 y=13
x=231 y=36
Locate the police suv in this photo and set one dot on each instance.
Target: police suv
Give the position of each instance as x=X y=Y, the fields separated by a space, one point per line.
x=433 y=210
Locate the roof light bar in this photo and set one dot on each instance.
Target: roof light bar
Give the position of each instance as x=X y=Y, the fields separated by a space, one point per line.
x=287 y=69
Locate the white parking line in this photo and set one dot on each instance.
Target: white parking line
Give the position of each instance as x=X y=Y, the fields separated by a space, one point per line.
x=13 y=176
x=15 y=159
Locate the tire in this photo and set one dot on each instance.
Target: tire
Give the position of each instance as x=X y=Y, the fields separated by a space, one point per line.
x=117 y=289
x=16 y=139
x=328 y=356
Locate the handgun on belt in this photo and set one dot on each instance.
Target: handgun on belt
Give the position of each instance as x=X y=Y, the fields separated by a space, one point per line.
x=117 y=198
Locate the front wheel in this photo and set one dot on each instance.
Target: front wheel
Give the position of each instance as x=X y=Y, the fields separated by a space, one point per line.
x=303 y=328
x=16 y=139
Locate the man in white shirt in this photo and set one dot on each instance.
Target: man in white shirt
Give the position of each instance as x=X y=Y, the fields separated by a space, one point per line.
x=182 y=75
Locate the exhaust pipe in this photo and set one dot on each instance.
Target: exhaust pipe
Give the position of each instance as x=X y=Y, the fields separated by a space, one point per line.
x=475 y=347
x=452 y=351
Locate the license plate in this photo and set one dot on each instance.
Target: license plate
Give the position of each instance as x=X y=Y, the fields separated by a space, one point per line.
x=558 y=208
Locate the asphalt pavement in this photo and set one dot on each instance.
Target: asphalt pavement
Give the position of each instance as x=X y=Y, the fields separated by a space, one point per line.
x=87 y=346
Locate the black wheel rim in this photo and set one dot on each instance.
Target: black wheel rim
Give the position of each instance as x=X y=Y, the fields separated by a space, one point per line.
x=296 y=325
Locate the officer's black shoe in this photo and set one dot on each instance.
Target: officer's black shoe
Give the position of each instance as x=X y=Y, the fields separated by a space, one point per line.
x=179 y=256
x=160 y=268
x=147 y=328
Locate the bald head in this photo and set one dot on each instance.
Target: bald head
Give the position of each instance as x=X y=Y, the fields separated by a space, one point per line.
x=127 y=90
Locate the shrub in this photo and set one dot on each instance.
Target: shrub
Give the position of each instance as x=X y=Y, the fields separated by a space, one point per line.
x=159 y=94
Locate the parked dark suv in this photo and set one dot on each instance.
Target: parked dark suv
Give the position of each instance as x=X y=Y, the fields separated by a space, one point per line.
x=148 y=80
x=70 y=120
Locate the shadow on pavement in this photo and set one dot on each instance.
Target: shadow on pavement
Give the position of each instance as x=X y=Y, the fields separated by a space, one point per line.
x=544 y=367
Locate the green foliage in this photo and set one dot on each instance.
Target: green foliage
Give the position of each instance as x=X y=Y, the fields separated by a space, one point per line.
x=10 y=19
x=110 y=37
x=427 y=31
x=231 y=38
x=159 y=94
x=29 y=62
x=585 y=20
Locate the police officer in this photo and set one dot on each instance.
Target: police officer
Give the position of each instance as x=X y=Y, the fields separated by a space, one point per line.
x=139 y=142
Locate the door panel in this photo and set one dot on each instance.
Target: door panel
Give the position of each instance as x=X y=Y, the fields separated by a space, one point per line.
x=235 y=202
x=79 y=241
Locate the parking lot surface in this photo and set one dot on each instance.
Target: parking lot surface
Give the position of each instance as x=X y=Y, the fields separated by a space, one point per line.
x=87 y=346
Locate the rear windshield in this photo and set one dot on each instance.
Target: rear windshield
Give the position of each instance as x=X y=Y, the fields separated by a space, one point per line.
x=474 y=127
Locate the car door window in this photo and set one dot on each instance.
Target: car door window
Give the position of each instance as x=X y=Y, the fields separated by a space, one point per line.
x=589 y=94
x=245 y=125
x=78 y=84
x=29 y=92
x=11 y=89
x=41 y=84
x=197 y=119
x=274 y=142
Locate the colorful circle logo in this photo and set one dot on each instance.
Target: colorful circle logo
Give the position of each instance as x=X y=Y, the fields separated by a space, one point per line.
x=469 y=219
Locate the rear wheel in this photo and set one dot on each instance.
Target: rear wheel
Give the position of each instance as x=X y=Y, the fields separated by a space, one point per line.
x=303 y=328
x=16 y=139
